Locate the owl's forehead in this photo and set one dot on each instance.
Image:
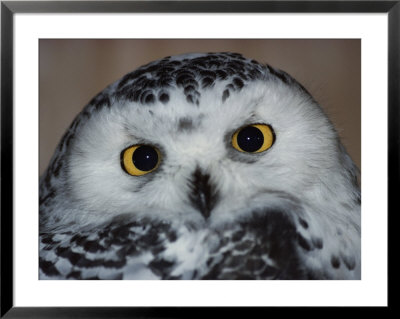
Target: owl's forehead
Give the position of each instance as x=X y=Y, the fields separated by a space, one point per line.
x=181 y=116
x=192 y=77
x=190 y=73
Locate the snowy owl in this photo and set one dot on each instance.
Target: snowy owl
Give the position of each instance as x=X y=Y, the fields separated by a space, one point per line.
x=201 y=166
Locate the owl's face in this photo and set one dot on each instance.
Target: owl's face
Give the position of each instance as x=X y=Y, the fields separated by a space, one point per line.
x=216 y=148
x=196 y=171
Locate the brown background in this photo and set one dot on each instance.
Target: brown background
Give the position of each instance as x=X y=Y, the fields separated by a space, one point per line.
x=71 y=72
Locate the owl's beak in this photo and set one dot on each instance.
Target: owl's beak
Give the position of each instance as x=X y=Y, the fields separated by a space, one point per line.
x=203 y=194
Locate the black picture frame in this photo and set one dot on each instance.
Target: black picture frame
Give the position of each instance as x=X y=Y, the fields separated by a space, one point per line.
x=9 y=8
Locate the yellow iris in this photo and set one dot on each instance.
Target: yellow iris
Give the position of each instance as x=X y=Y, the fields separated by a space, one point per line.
x=140 y=159
x=254 y=138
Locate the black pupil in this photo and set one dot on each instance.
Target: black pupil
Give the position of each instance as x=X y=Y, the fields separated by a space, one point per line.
x=145 y=158
x=250 y=139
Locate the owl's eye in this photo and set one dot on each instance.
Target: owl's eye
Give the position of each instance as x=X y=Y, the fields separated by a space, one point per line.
x=139 y=160
x=254 y=138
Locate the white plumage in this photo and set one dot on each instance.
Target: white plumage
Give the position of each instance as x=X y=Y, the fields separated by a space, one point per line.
x=206 y=210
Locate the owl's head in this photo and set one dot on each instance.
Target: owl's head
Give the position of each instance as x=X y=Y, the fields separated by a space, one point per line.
x=205 y=139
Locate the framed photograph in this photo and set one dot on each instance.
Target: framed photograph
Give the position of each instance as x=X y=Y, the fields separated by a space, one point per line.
x=213 y=145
